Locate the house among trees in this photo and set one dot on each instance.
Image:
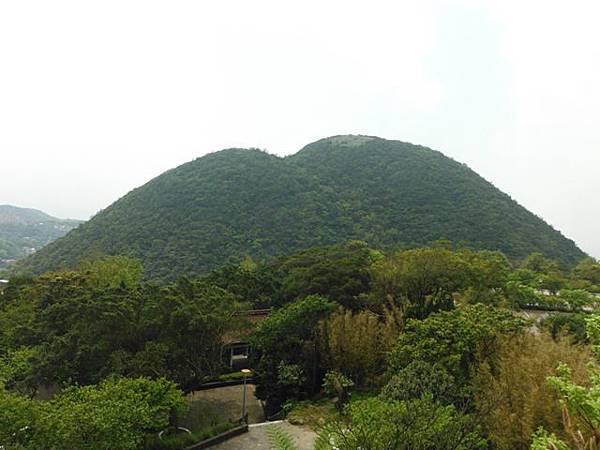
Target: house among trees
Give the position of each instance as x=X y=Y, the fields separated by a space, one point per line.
x=236 y=348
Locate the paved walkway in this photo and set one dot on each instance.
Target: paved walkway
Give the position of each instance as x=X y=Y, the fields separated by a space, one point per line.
x=222 y=404
x=256 y=438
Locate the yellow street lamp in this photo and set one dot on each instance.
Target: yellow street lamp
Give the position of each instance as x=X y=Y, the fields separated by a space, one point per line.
x=246 y=372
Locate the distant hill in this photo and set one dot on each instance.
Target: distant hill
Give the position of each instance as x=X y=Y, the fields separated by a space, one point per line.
x=24 y=231
x=235 y=203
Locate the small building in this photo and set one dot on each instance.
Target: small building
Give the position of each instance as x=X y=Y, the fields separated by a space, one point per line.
x=3 y=284
x=236 y=349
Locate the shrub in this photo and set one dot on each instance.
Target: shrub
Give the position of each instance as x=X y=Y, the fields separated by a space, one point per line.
x=418 y=424
x=421 y=378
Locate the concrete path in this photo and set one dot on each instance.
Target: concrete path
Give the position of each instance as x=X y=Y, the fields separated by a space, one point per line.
x=256 y=437
x=222 y=404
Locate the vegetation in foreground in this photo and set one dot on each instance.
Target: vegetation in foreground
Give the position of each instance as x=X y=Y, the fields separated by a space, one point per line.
x=434 y=334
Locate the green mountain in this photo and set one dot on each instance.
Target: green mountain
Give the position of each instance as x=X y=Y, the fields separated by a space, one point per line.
x=235 y=203
x=24 y=231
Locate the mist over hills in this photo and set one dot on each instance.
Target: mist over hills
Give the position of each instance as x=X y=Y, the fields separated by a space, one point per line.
x=234 y=203
x=24 y=231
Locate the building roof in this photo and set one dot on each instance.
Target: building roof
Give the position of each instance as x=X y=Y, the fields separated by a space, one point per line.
x=254 y=317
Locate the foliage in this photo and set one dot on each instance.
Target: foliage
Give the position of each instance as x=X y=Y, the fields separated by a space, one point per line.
x=453 y=339
x=83 y=326
x=538 y=263
x=415 y=425
x=257 y=284
x=581 y=414
x=588 y=269
x=512 y=396
x=542 y=440
x=422 y=281
x=291 y=378
x=17 y=414
x=225 y=206
x=419 y=379
x=356 y=344
x=280 y=440
x=581 y=403
x=286 y=348
x=574 y=325
x=335 y=381
x=339 y=273
x=116 y=415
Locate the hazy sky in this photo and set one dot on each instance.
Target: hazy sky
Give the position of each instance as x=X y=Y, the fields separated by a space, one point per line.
x=97 y=98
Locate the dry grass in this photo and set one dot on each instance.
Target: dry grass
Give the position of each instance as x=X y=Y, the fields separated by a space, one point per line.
x=512 y=394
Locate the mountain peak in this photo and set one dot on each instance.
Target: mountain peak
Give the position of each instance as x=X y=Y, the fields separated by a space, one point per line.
x=237 y=203
x=349 y=140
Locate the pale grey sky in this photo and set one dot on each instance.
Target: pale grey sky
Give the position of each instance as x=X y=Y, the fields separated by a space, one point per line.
x=97 y=98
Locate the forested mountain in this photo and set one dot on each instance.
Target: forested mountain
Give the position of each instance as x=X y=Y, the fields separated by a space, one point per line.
x=227 y=205
x=24 y=231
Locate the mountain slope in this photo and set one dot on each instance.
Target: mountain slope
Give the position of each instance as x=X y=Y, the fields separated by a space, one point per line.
x=226 y=205
x=24 y=231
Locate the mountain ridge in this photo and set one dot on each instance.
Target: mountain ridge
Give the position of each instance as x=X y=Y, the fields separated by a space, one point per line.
x=224 y=206
x=24 y=231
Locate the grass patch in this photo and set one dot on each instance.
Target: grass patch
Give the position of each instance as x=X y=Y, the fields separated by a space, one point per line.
x=315 y=414
x=357 y=396
x=233 y=376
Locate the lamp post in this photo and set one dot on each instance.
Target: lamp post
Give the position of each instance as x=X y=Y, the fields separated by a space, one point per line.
x=246 y=372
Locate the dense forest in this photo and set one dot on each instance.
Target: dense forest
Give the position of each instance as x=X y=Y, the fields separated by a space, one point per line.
x=417 y=349
x=233 y=204
x=24 y=231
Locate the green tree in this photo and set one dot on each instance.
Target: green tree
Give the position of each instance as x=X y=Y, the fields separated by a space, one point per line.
x=339 y=273
x=419 y=379
x=17 y=415
x=256 y=284
x=538 y=263
x=288 y=340
x=115 y=415
x=453 y=339
x=420 y=280
x=419 y=424
x=589 y=270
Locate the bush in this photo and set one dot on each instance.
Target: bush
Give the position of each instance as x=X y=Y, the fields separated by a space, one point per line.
x=421 y=378
x=115 y=415
x=572 y=324
x=419 y=424
x=453 y=339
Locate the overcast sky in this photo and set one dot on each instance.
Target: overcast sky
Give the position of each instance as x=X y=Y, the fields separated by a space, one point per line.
x=97 y=98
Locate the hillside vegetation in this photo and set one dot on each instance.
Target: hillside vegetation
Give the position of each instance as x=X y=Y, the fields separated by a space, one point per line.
x=422 y=349
x=235 y=203
x=24 y=231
